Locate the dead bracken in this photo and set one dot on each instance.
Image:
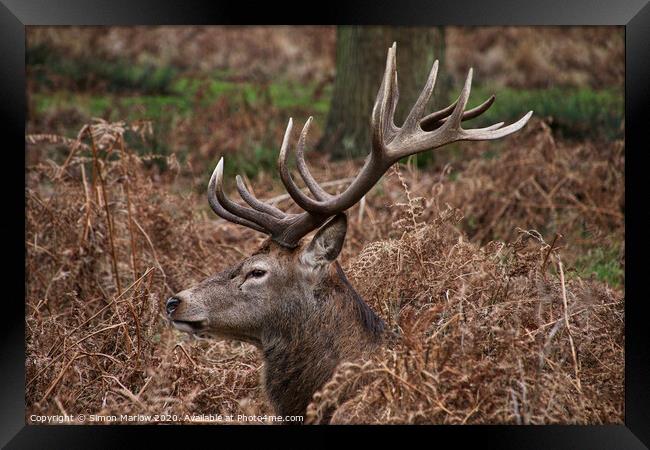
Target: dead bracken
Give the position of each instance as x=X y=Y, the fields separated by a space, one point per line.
x=489 y=331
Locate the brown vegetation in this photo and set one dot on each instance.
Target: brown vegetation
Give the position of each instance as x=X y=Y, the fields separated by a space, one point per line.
x=492 y=331
x=540 y=56
x=490 y=334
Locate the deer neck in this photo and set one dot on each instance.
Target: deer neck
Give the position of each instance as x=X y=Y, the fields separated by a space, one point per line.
x=302 y=356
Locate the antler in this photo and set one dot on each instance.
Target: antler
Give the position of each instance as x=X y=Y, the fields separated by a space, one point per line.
x=389 y=144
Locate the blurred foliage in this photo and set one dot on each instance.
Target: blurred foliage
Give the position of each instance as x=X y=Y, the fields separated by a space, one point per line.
x=67 y=91
x=187 y=101
x=49 y=69
x=573 y=112
x=604 y=263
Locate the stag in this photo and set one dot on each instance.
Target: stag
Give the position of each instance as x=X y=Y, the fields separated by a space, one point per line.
x=291 y=299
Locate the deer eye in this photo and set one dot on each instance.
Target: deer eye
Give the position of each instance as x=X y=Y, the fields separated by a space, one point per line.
x=256 y=273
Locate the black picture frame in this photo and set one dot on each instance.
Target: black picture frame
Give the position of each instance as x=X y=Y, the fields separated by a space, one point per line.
x=634 y=15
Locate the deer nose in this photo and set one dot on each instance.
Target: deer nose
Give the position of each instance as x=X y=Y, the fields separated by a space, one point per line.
x=172 y=304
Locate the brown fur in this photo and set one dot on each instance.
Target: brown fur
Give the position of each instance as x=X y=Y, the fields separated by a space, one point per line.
x=337 y=328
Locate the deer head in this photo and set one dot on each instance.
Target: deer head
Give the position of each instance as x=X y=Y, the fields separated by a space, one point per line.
x=292 y=299
x=262 y=294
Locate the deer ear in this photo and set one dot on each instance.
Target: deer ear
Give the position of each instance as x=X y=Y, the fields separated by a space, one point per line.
x=327 y=242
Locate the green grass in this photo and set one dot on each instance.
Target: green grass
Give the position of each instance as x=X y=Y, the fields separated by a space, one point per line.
x=182 y=99
x=603 y=263
x=575 y=113
x=113 y=106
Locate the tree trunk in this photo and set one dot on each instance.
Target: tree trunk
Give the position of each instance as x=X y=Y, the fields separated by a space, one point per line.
x=360 y=62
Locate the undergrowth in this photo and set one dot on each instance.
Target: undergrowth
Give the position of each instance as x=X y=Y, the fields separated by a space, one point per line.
x=507 y=330
x=489 y=334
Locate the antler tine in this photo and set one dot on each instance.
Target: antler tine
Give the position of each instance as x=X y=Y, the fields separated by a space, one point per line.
x=417 y=111
x=240 y=211
x=480 y=109
x=292 y=189
x=382 y=114
x=488 y=133
x=495 y=131
x=306 y=175
x=432 y=121
x=370 y=173
x=255 y=203
x=219 y=209
x=394 y=95
x=457 y=114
